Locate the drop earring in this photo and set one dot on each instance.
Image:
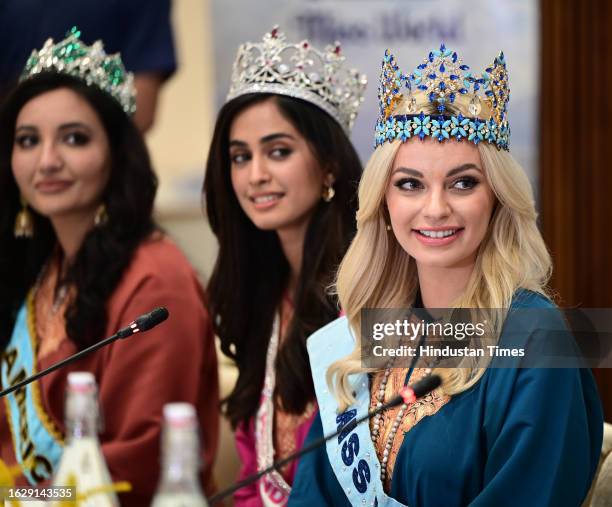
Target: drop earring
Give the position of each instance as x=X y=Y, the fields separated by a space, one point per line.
x=328 y=193
x=24 y=221
x=101 y=217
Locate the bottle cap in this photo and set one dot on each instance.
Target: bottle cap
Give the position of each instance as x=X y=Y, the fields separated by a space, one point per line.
x=81 y=381
x=179 y=414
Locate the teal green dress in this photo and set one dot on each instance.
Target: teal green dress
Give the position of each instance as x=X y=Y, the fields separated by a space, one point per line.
x=519 y=437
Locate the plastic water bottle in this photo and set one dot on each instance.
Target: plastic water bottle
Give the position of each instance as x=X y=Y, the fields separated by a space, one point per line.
x=179 y=485
x=82 y=465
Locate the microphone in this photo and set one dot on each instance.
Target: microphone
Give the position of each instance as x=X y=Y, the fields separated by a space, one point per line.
x=142 y=323
x=408 y=394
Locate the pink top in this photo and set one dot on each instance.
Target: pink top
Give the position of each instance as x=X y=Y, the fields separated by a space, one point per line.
x=245 y=443
x=249 y=496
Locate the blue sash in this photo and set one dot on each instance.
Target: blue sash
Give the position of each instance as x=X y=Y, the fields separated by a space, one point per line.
x=38 y=445
x=352 y=455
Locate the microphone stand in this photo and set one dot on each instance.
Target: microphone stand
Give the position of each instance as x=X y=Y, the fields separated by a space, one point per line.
x=407 y=395
x=142 y=323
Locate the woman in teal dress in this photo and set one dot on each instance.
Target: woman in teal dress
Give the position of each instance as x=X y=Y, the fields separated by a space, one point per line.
x=447 y=220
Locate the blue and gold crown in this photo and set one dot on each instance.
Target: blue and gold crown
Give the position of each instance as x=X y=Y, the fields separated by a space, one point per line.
x=89 y=63
x=442 y=99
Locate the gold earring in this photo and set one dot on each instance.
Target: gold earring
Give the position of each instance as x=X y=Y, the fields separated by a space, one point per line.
x=24 y=221
x=388 y=227
x=101 y=217
x=328 y=193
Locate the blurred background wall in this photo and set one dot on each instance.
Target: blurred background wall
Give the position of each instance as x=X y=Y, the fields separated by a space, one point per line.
x=183 y=127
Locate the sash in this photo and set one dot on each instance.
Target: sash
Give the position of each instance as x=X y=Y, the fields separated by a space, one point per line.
x=37 y=443
x=273 y=488
x=351 y=455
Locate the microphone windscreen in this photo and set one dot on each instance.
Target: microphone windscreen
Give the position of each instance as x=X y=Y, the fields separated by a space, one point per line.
x=152 y=318
x=426 y=385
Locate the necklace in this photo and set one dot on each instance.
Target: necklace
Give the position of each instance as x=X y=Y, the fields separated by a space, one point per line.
x=379 y=419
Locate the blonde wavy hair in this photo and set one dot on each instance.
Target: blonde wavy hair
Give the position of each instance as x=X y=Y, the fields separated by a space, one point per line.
x=377 y=273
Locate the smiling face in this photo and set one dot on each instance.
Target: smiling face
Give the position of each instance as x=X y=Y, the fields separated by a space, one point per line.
x=276 y=178
x=61 y=155
x=439 y=202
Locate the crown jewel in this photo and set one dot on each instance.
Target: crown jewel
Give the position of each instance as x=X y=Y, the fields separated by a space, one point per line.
x=89 y=63
x=464 y=105
x=302 y=71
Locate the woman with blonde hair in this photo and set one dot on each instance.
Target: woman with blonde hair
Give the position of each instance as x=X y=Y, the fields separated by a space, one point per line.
x=447 y=220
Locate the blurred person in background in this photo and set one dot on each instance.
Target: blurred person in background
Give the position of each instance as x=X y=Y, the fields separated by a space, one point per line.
x=140 y=30
x=82 y=257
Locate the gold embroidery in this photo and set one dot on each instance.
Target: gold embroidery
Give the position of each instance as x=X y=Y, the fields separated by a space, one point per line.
x=286 y=427
x=426 y=406
x=50 y=321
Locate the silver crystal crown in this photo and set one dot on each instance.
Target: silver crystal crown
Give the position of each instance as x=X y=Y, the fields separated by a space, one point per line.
x=302 y=71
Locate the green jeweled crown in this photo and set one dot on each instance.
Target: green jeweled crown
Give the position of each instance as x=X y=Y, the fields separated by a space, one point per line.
x=89 y=63
x=442 y=99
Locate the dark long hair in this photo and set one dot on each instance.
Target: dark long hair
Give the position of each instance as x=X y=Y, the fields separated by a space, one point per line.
x=251 y=272
x=107 y=250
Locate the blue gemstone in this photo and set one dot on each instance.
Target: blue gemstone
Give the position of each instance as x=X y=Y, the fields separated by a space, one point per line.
x=442 y=68
x=432 y=97
x=464 y=67
x=422 y=87
x=463 y=91
x=431 y=56
x=442 y=47
x=476 y=87
x=454 y=77
x=442 y=86
x=441 y=108
x=489 y=70
x=496 y=83
x=431 y=76
x=452 y=97
x=454 y=57
x=422 y=66
x=489 y=93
